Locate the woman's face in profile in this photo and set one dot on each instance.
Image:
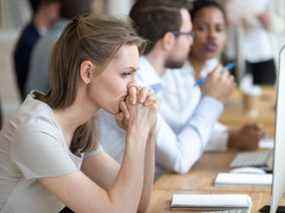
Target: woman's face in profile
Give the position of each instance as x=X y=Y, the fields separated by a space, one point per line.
x=209 y=26
x=110 y=86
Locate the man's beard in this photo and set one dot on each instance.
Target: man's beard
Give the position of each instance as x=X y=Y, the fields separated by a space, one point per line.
x=171 y=64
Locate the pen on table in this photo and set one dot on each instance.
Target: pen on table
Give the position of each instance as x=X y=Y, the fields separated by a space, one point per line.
x=201 y=81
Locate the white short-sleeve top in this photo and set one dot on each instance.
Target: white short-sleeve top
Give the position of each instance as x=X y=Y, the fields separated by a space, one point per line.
x=32 y=146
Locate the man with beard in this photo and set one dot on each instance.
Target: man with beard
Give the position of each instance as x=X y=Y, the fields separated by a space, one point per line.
x=169 y=32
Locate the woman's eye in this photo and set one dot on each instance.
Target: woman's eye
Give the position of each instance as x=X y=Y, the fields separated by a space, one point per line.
x=126 y=74
x=202 y=28
x=220 y=29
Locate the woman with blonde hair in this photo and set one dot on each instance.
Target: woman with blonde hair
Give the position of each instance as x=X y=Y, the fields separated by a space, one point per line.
x=49 y=156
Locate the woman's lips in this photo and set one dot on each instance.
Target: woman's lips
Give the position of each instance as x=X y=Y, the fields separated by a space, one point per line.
x=211 y=47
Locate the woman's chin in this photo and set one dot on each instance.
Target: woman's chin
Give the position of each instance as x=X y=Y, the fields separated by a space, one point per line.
x=114 y=110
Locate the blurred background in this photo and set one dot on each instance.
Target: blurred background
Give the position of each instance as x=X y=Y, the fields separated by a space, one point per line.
x=15 y=14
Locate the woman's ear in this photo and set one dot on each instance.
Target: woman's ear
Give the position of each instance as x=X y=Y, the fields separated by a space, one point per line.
x=168 y=41
x=87 y=69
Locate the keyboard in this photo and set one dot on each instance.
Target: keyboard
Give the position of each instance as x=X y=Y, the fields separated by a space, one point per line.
x=262 y=159
x=233 y=211
x=217 y=210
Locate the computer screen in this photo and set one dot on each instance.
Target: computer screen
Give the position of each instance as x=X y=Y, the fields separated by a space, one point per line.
x=278 y=186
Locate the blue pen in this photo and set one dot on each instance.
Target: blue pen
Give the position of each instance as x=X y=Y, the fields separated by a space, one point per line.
x=201 y=81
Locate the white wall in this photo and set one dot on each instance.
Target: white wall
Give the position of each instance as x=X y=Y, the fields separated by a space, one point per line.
x=119 y=7
x=14 y=13
x=8 y=92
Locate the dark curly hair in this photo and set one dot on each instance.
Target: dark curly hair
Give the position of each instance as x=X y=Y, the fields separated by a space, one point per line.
x=198 y=5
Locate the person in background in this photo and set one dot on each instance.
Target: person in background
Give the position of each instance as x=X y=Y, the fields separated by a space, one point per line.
x=38 y=78
x=255 y=18
x=182 y=96
x=50 y=155
x=169 y=31
x=45 y=14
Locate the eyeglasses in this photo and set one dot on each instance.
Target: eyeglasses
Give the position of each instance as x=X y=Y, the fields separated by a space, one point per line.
x=178 y=33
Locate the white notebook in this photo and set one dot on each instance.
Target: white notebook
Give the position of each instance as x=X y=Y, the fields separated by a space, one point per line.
x=224 y=179
x=212 y=201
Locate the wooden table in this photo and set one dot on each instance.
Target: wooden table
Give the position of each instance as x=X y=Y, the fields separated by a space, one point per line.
x=234 y=114
x=200 y=180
